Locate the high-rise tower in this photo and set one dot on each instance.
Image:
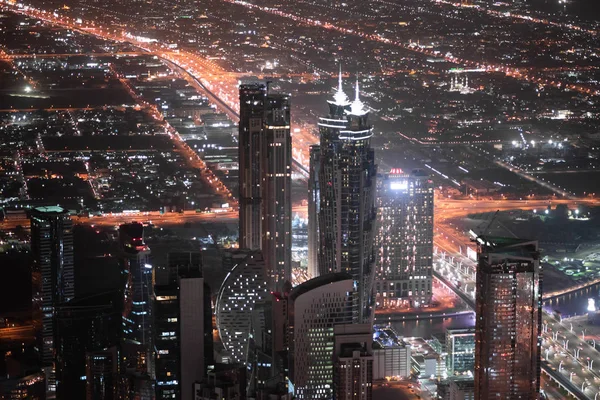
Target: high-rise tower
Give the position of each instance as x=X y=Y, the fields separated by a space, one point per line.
x=265 y=157
x=509 y=316
x=138 y=316
x=346 y=186
x=405 y=238
x=52 y=249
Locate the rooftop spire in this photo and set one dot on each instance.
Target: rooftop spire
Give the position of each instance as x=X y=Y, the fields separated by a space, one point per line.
x=357 y=107
x=340 y=98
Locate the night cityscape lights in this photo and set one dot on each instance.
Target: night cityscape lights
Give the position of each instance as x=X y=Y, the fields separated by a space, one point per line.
x=320 y=200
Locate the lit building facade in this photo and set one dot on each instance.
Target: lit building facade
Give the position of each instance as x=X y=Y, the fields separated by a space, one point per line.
x=265 y=159
x=353 y=362
x=508 y=325
x=405 y=239
x=346 y=211
x=243 y=287
x=316 y=307
x=460 y=350
x=52 y=249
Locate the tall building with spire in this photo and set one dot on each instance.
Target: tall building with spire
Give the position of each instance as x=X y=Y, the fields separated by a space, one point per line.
x=265 y=156
x=346 y=213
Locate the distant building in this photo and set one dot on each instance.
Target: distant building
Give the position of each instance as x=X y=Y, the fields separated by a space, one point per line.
x=508 y=323
x=391 y=354
x=316 y=307
x=346 y=186
x=460 y=349
x=243 y=287
x=353 y=362
x=139 y=292
x=265 y=178
x=183 y=314
x=405 y=239
x=52 y=249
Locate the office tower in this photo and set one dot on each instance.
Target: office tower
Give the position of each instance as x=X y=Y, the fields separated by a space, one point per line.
x=270 y=344
x=265 y=157
x=353 y=362
x=183 y=328
x=167 y=341
x=52 y=249
x=242 y=288
x=460 y=350
x=314 y=195
x=102 y=374
x=316 y=307
x=405 y=239
x=346 y=182
x=508 y=326
x=139 y=289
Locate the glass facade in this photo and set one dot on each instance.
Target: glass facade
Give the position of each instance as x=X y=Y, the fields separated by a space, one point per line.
x=460 y=349
x=346 y=211
x=508 y=326
x=265 y=157
x=405 y=239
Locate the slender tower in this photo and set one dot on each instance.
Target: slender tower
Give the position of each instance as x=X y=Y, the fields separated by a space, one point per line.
x=347 y=213
x=265 y=154
x=52 y=249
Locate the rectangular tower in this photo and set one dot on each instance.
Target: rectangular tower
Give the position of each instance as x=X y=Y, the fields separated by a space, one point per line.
x=183 y=328
x=353 y=359
x=314 y=195
x=265 y=157
x=52 y=250
x=405 y=239
x=509 y=314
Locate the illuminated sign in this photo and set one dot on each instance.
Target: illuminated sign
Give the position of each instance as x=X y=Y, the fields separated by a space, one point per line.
x=399 y=185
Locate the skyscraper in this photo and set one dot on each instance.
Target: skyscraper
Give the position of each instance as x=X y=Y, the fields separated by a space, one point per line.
x=314 y=198
x=316 y=307
x=508 y=326
x=405 y=238
x=183 y=328
x=346 y=185
x=139 y=291
x=265 y=157
x=52 y=249
x=353 y=362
